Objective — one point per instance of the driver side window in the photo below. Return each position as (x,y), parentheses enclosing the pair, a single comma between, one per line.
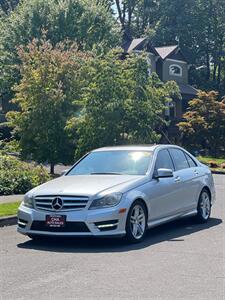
(164,160)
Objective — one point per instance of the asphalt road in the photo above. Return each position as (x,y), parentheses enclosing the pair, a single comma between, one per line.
(180,260)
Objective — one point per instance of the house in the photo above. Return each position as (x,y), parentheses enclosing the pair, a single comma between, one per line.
(170,64)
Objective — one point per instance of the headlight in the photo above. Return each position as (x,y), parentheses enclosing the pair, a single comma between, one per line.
(106,201)
(28,201)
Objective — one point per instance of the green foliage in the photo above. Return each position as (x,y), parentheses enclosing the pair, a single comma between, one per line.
(88,23)
(11,146)
(81,21)
(49,85)
(6,6)
(18,177)
(204,124)
(121,103)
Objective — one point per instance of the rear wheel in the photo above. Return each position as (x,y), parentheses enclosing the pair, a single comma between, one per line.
(136,224)
(204,207)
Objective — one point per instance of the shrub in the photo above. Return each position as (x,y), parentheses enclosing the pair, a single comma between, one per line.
(213,164)
(222,166)
(17,177)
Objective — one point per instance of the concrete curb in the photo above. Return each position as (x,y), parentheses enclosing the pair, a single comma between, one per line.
(6,221)
(218,172)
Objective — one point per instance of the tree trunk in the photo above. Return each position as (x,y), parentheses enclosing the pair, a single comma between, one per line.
(208,65)
(52,168)
(214,72)
(219,74)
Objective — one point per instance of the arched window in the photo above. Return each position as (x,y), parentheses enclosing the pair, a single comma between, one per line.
(175,70)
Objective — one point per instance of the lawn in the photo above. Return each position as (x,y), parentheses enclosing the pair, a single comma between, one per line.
(207,160)
(8,209)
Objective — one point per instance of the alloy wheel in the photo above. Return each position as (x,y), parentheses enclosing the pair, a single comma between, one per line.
(205,205)
(137,221)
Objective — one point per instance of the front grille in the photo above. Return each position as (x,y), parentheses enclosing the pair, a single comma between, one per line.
(69,227)
(69,202)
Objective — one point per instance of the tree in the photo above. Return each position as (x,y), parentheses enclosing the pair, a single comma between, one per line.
(50,83)
(136,17)
(89,24)
(121,103)
(8,5)
(204,124)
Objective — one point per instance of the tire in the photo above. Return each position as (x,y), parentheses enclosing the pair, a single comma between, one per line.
(204,207)
(136,223)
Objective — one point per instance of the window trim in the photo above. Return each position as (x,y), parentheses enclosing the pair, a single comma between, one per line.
(174,74)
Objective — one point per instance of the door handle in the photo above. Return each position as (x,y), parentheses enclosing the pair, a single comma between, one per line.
(196,172)
(177,179)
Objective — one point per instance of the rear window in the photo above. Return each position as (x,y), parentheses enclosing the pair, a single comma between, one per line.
(191,162)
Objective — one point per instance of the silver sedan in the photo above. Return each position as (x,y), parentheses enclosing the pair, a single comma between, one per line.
(120,191)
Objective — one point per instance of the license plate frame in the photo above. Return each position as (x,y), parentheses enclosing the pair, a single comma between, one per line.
(56,221)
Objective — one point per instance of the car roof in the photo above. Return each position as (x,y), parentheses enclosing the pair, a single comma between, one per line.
(134,147)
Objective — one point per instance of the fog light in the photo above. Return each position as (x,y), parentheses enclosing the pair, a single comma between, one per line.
(107,225)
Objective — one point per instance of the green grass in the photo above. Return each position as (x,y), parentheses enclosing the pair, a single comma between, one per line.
(207,159)
(8,209)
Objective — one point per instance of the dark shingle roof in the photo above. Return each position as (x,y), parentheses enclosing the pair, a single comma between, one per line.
(187,89)
(131,45)
(138,44)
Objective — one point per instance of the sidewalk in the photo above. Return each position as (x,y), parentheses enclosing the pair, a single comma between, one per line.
(10,198)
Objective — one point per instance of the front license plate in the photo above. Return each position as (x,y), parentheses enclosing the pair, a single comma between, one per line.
(55,221)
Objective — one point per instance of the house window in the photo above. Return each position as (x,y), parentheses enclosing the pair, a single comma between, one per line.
(175,70)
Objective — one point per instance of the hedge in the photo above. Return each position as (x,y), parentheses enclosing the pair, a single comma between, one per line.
(18,177)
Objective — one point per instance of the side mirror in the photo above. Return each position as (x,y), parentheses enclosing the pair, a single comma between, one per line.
(163,173)
(64,172)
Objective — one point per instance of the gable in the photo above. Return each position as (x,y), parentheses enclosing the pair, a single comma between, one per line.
(164,52)
(171,52)
(141,44)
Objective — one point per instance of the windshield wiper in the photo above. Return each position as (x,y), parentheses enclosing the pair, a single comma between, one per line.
(105,173)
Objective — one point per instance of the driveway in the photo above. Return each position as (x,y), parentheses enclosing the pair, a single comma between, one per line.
(180,260)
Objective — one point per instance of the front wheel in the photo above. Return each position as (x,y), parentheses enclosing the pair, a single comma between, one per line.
(136,223)
(204,207)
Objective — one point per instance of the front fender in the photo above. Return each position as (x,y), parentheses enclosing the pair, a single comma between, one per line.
(133,195)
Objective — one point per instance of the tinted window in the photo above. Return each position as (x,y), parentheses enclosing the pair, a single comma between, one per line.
(164,161)
(191,163)
(113,162)
(179,159)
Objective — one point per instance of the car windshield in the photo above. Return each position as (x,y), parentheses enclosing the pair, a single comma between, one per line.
(116,162)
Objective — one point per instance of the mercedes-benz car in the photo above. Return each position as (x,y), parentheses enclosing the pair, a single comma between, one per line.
(119,191)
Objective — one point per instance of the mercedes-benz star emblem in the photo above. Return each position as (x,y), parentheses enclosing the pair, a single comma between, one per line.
(57,203)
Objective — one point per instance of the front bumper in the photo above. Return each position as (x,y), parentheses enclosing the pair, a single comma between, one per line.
(99,222)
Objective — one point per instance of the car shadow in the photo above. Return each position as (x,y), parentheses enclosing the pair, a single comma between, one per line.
(173,232)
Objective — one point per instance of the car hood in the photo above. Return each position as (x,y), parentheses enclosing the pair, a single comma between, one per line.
(86,185)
